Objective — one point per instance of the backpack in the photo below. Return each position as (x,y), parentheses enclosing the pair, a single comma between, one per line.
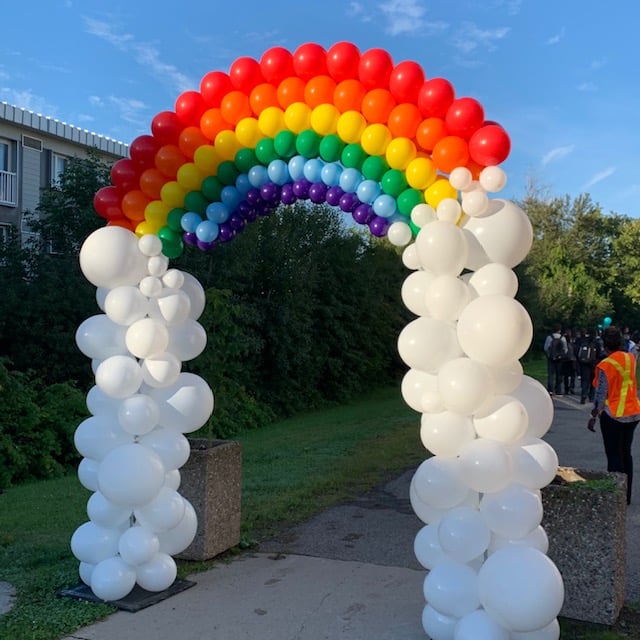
(587,353)
(556,350)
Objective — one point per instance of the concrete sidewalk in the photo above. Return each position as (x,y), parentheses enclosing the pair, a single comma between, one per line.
(348,574)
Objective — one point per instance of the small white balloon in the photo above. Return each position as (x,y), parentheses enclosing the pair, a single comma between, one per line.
(99,403)
(448,210)
(164,512)
(535,463)
(138,545)
(172,479)
(426,343)
(426,547)
(446,297)
(150,245)
(414,289)
(452,589)
(438,482)
(436,625)
(150,286)
(161,370)
(512,512)
(486,465)
(475,203)
(493,179)
(420,391)
(422,214)
(538,404)
(105,513)
(501,418)
(463,534)
(85,570)
(507,377)
(88,473)
(171,306)
(537,539)
(158,574)
(464,385)
(479,625)
(399,234)
(138,414)
(460,178)
(112,579)
(147,337)
(101,294)
(192,287)
(119,376)
(173,279)
(97,435)
(181,536)
(157,266)
(125,305)
(94,543)
(446,434)
(171,445)
(187,340)
(410,257)
(494,279)
(442,248)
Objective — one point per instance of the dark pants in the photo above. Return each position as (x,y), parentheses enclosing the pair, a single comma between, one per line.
(569,375)
(554,376)
(586,381)
(617,438)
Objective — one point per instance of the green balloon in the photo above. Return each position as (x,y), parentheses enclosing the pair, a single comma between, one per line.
(172,245)
(285,144)
(195,201)
(331,148)
(245,159)
(374,167)
(414,228)
(228,172)
(353,156)
(308,143)
(174,219)
(393,182)
(408,199)
(212,188)
(265,151)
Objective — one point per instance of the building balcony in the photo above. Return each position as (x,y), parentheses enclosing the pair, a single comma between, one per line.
(8,189)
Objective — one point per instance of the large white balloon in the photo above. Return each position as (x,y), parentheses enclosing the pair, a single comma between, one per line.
(98,435)
(502,418)
(486,465)
(119,376)
(99,403)
(494,279)
(442,248)
(521,588)
(420,391)
(438,482)
(181,536)
(446,433)
(538,403)
(138,414)
(426,343)
(512,512)
(172,306)
(192,287)
(535,462)
(452,588)
(161,370)
(93,543)
(99,337)
(88,473)
(164,512)
(112,579)
(187,340)
(147,338)
(495,330)
(464,385)
(426,547)
(413,291)
(446,296)
(105,513)
(125,305)
(110,257)
(171,445)
(138,545)
(463,534)
(436,625)
(158,574)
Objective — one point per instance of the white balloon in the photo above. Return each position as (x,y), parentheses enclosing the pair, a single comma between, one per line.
(138,414)
(158,574)
(157,266)
(495,330)
(506,378)
(493,179)
(187,340)
(93,543)
(99,403)
(425,512)
(131,475)
(486,465)
(150,245)
(98,435)
(426,547)
(399,234)
(537,539)
(110,258)
(448,210)
(124,305)
(512,512)
(426,343)
(549,632)
(464,385)
(161,370)
(105,513)
(414,289)
(173,279)
(501,418)
(452,588)
(410,257)
(446,433)
(438,482)
(181,536)
(436,625)
(100,337)
(85,570)
(479,625)
(442,248)
(538,404)
(446,297)
(101,295)
(475,203)
(422,214)
(150,286)
(138,545)
(147,337)
(494,279)
(119,376)
(112,579)
(192,287)
(88,473)
(171,445)
(164,512)
(172,479)
(463,534)
(535,462)
(171,307)
(502,234)
(520,588)
(460,178)
(420,391)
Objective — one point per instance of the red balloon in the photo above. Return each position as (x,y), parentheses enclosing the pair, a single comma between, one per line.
(406,80)
(106,202)
(166,127)
(276,64)
(464,116)
(124,175)
(310,60)
(245,74)
(343,59)
(435,97)
(143,151)
(189,108)
(214,86)
(490,145)
(374,69)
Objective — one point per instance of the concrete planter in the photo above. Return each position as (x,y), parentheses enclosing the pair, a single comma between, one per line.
(585,521)
(212,481)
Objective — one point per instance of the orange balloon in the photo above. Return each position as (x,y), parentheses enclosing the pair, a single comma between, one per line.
(151,181)
(212,123)
(429,131)
(169,159)
(319,90)
(235,106)
(190,139)
(475,168)
(348,95)
(133,205)
(125,223)
(404,120)
(450,152)
(377,105)
(290,90)
(263,96)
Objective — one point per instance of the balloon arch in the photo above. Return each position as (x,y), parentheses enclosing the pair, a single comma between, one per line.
(414,163)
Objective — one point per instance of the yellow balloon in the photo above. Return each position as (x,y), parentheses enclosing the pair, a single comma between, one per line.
(324,119)
(351,125)
(189,177)
(248,132)
(145,228)
(156,212)
(271,121)
(206,159)
(438,191)
(375,139)
(420,173)
(297,117)
(400,152)
(172,194)
(227,145)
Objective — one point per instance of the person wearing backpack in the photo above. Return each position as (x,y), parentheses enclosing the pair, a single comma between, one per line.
(555,348)
(587,357)
(569,364)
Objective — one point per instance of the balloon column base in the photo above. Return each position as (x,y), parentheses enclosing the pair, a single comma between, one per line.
(136,600)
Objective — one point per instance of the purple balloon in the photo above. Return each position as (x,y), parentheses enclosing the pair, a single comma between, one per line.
(270,192)
(286,193)
(333,195)
(253,196)
(190,238)
(236,222)
(226,232)
(265,208)
(363,213)
(348,202)
(206,246)
(317,192)
(378,226)
(252,214)
(301,188)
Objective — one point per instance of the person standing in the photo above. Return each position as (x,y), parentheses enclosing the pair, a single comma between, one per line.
(555,348)
(569,365)
(587,355)
(616,403)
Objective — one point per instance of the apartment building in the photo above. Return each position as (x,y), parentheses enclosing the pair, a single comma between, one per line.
(34,150)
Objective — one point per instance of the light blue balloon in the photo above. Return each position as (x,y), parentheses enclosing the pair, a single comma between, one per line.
(242,184)
(207,231)
(296,167)
(278,172)
(368,191)
(384,205)
(190,220)
(313,170)
(218,212)
(258,176)
(331,174)
(350,179)
(230,197)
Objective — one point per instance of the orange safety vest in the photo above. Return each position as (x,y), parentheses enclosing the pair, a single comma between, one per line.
(622,392)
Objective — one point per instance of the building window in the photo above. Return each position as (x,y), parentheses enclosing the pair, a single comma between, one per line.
(5,233)
(58,165)
(8,178)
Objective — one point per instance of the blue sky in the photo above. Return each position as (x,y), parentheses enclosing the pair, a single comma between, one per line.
(560,75)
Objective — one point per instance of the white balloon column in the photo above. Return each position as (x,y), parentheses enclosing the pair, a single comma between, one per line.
(133,445)
(479,493)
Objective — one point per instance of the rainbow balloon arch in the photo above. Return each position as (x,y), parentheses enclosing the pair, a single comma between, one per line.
(413,163)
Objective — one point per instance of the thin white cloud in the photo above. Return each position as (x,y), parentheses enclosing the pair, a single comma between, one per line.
(555,39)
(471,37)
(588,87)
(27,100)
(598,177)
(131,110)
(404,17)
(596,65)
(103,30)
(556,154)
(96,101)
(357,10)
